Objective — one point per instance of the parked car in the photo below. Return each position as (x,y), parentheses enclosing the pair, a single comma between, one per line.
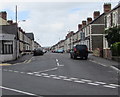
(60,51)
(79,51)
(38,51)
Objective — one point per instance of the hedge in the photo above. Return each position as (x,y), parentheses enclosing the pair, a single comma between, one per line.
(115,48)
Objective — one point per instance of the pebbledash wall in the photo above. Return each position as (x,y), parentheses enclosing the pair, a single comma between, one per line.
(9,41)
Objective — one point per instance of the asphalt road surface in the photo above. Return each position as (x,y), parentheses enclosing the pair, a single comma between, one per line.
(57,74)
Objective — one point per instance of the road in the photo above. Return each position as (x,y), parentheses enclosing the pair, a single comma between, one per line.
(57,74)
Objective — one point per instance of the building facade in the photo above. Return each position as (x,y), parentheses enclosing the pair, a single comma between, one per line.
(112,19)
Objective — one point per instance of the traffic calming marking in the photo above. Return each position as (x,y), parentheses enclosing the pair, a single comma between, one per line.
(67,79)
(6,64)
(94,84)
(72,79)
(79,81)
(108,86)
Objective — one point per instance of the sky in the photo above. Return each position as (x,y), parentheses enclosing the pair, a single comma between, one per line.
(50,21)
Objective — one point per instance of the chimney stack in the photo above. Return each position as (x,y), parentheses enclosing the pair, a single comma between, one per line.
(96,14)
(107,7)
(83,23)
(3,15)
(79,27)
(10,22)
(89,19)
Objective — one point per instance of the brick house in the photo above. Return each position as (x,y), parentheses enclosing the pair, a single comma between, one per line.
(112,19)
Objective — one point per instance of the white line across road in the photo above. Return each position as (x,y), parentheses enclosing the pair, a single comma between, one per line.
(71,79)
(47,70)
(19,91)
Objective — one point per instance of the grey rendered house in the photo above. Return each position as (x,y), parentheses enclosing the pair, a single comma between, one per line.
(8,43)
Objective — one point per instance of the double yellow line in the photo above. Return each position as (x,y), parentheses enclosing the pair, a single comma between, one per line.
(26,61)
(5,64)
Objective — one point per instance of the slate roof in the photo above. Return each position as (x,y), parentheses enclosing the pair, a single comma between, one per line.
(9,29)
(30,35)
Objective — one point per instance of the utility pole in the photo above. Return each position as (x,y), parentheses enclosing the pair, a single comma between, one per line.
(16,13)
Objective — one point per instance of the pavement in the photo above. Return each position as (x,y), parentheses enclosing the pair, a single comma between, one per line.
(22,59)
(105,62)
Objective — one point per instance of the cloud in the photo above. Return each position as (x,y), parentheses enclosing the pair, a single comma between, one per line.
(51,21)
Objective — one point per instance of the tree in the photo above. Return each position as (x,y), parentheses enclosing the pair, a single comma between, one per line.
(113,35)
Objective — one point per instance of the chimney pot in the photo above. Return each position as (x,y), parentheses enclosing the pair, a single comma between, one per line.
(96,14)
(3,15)
(107,7)
(79,27)
(89,19)
(10,22)
(83,23)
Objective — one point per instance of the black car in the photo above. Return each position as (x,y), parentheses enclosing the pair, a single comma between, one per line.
(79,51)
(38,51)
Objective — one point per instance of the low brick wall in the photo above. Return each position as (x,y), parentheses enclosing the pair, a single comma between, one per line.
(107,53)
(98,52)
(116,58)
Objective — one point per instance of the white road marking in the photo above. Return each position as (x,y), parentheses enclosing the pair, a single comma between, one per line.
(29,60)
(11,70)
(115,68)
(115,85)
(98,63)
(56,77)
(79,81)
(53,75)
(30,73)
(72,78)
(47,70)
(58,64)
(38,75)
(108,86)
(76,80)
(62,76)
(19,91)
(86,80)
(93,84)
(67,79)
(16,71)
(22,72)
(25,61)
(46,76)
(56,60)
(44,73)
(100,82)
(61,65)
(35,72)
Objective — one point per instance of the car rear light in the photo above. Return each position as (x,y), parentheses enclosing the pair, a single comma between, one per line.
(86,49)
(75,49)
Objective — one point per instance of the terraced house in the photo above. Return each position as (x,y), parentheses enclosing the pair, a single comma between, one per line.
(112,19)
(92,33)
(14,42)
(8,39)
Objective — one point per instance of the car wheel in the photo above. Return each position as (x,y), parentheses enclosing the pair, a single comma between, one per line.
(86,58)
(74,57)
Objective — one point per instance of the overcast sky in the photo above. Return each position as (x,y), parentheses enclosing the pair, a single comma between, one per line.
(51,21)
